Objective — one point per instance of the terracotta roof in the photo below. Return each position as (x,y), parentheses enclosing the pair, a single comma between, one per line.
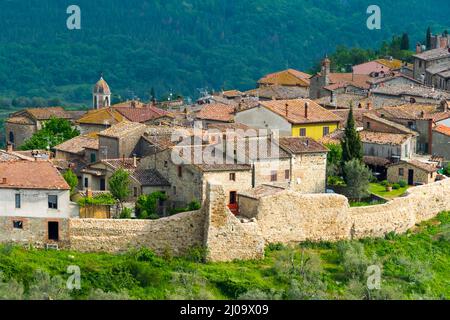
(344,100)
(426,166)
(443,129)
(20,120)
(102,87)
(411,90)
(383,137)
(376,161)
(333,138)
(150,177)
(231,93)
(389,123)
(78,144)
(391,63)
(357,115)
(357,80)
(223,127)
(47,113)
(8,156)
(129,104)
(407,112)
(161,142)
(121,129)
(261,191)
(299,145)
(433,54)
(217,112)
(31,175)
(104,116)
(294,111)
(277,92)
(143,114)
(289,77)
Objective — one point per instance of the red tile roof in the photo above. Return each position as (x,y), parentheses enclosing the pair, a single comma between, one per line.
(294,111)
(443,129)
(217,112)
(47,113)
(299,145)
(143,114)
(289,77)
(31,175)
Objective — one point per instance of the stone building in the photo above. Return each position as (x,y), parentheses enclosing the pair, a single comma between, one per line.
(322,83)
(215,113)
(21,125)
(101,95)
(413,172)
(35,203)
(98,120)
(441,142)
(429,59)
(288,79)
(394,146)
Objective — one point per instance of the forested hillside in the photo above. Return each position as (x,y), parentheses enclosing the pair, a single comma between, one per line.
(182,45)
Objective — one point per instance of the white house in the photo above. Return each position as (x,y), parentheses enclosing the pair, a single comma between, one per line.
(34,203)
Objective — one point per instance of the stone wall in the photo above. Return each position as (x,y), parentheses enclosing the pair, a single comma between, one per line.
(290,217)
(174,234)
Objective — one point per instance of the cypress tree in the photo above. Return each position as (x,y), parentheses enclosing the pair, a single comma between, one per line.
(351,143)
(429,38)
(405,42)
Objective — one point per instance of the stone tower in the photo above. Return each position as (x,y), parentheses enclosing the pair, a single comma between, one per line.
(326,67)
(101,95)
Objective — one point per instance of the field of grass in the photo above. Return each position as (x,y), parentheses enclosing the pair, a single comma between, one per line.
(413,266)
(380,190)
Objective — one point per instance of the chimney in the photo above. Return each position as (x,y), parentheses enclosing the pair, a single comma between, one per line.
(287,109)
(133,104)
(9,147)
(134,161)
(418,48)
(443,42)
(306,110)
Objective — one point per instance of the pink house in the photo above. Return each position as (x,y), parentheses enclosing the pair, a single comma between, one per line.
(370,68)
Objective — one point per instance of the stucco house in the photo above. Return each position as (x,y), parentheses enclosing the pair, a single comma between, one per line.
(441,142)
(297,118)
(35,203)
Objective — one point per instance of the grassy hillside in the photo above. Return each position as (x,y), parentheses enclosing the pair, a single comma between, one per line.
(184,45)
(414,266)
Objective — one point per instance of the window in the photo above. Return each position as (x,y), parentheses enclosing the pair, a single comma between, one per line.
(232,176)
(303,132)
(326,130)
(102,184)
(273,176)
(17,224)
(401,172)
(53,230)
(174,190)
(86,182)
(166,164)
(18,201)
(287,174)
(93,157)
(368,125)
(180,171)
(135,192)
(53,202)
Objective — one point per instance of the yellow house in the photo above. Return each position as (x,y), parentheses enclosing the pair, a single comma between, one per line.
(297,118)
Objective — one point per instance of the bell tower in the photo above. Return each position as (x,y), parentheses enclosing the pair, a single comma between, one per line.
(101,94)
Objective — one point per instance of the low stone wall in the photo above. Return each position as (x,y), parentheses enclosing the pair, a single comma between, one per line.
(290,217)
(175,234)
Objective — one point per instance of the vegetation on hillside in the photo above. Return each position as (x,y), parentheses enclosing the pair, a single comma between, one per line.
(413,266)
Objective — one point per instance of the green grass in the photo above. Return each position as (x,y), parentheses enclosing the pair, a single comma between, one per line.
(414,265)
(380,190)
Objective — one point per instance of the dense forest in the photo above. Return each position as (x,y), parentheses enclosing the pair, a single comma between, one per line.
(182,45)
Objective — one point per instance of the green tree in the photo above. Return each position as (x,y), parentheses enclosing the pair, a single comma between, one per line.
(119,186)
(357,178)
(351,143)
(71,179)
(428,39)
(54,131)
(405,42)
(146,205)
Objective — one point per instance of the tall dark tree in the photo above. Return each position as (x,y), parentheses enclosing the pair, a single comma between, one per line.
(429,38)
(405,42)
(351,143)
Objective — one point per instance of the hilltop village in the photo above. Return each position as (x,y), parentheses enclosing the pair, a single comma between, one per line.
(117,179)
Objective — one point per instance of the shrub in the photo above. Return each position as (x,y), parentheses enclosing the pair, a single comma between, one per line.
(197,254)
(396,186)
(353,259)
(384,183)
(194,205)
(402,183)
(357,176)
(126,213)
(101,199)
